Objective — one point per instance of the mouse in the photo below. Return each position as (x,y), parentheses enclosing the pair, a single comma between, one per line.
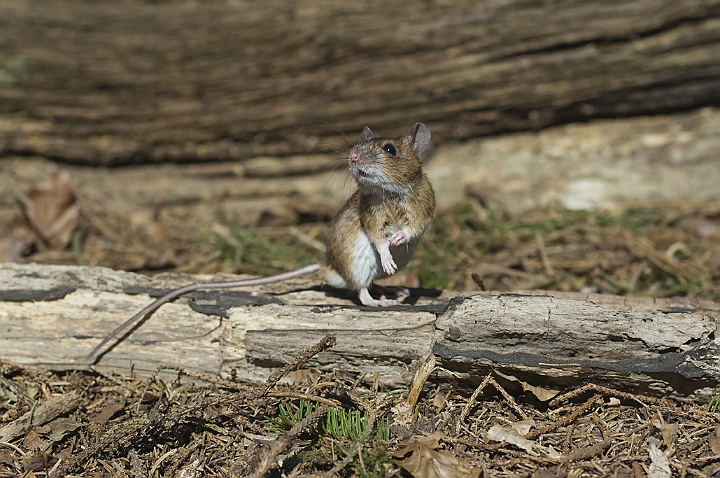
(374,234)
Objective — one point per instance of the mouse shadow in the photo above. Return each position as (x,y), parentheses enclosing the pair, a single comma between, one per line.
(376,291)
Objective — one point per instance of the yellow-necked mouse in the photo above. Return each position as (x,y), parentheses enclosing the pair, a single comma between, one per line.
(374,234)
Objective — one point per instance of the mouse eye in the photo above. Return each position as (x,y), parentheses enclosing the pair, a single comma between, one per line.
(389,149)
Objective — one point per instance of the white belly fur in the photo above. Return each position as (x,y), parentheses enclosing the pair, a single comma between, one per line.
(366,261)
(366,264)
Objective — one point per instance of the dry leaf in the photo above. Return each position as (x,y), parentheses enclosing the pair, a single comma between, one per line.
(714,443)
(38,461)
(106,413)
(542,394)
(430,440)
(32,441)
(52,211)
(61,427)
(510,435)
(299,376)
(439,399)
(667,430)
(6,459)
(659,463)
(425,462)
(523,426)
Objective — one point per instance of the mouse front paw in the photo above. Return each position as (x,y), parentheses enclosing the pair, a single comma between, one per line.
(398,238)
(388,263)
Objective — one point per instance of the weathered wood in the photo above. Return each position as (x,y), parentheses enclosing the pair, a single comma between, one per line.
(54,315)
(46,411)
(565,340)
(114,83)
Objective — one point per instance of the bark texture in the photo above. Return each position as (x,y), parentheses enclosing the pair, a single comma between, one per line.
(119,82)
(54,315)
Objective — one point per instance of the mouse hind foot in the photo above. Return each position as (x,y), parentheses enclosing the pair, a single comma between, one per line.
(367,300)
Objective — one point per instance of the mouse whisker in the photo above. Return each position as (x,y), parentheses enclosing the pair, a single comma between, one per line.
(342,133)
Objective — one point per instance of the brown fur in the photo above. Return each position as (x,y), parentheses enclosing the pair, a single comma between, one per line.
(394,194)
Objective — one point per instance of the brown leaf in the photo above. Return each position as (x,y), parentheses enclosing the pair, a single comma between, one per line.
(52,211)
(61,427)
(425,462)
(6,459)
(32,441)
(299,376)
(106,413)
(38,461)
(714,443)
(12,248)
(542,394)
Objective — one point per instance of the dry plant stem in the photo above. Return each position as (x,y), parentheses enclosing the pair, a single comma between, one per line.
(605,391)
(305,396)
(325,343)
(593,450)
(642,247)
(199,376)
(472,398)
(421,375)
(564,421)
(107,440)
(268,460)
(44,412)
(510,400)
(499,388)
(543,255)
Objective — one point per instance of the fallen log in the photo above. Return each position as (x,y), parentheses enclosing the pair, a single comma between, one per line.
(52,316)
(111,83)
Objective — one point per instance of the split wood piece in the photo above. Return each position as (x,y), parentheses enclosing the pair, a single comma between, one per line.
(45,412)
(53,315)
(568,342)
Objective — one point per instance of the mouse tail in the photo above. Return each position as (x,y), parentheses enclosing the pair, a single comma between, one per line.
(302,271)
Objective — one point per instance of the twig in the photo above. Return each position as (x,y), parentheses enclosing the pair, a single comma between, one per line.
(305,396)
(41,414)
(592,450)
(564,421)
(473,397)
(605,391)
(327,342)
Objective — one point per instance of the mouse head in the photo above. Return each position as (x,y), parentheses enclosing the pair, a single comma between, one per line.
(389,165)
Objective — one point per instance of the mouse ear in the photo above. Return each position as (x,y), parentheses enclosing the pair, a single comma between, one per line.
(366,134)
(418,138)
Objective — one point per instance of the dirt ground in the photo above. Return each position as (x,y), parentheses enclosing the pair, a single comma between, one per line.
(81,424)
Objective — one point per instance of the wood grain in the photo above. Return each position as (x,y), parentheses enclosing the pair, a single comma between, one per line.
(657,346)
(117,83)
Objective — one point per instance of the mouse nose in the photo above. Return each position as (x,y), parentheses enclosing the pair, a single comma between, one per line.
(354,156)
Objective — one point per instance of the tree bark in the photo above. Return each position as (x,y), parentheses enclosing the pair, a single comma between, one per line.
(115,82)
(53,316)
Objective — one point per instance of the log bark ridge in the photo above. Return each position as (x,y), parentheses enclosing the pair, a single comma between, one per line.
(53,315)
(112,83)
